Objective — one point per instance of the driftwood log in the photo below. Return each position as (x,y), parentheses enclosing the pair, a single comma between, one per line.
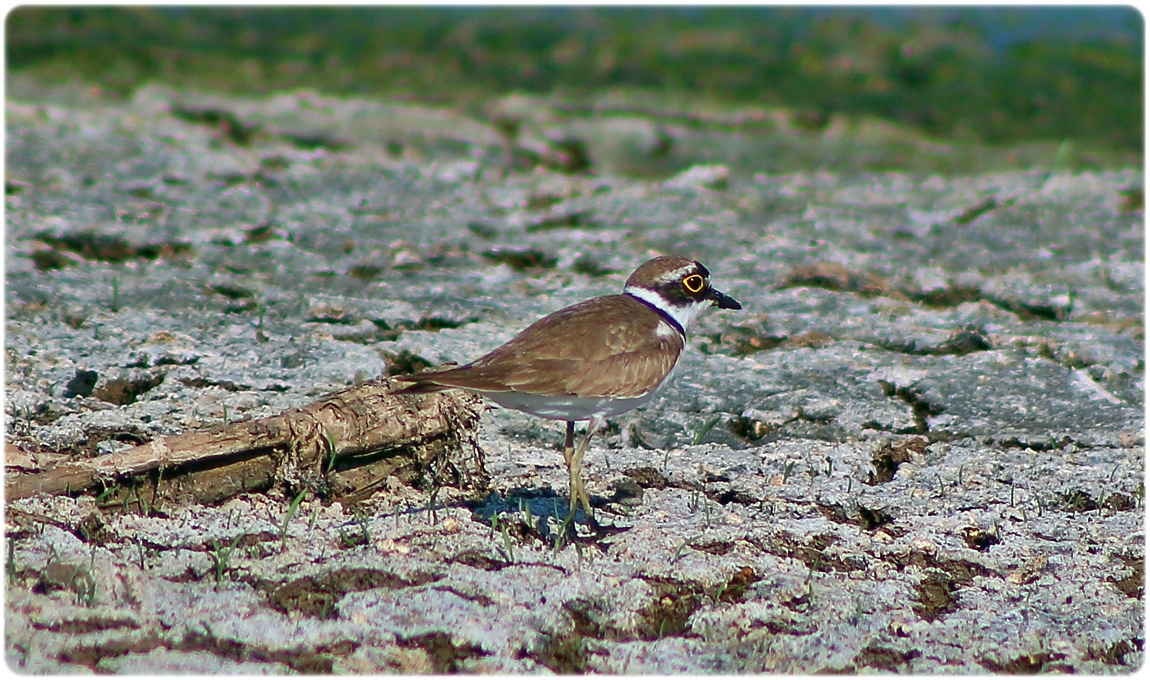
(344,445)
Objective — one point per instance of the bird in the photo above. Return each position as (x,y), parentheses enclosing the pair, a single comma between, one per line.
(593,360)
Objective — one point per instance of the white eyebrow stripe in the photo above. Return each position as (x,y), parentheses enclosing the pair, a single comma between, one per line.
(677,274)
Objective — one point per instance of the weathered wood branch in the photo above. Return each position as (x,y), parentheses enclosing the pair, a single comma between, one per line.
(351,440)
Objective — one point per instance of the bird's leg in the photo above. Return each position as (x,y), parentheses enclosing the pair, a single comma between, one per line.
(568,454)
(569,446)
(575,466)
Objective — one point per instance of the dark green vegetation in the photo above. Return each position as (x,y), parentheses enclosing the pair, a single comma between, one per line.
(992,75)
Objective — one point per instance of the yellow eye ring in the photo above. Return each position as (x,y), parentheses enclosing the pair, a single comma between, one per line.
(694,283)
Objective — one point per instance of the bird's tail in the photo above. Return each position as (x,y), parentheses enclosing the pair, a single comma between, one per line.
(426,382)
(418,385)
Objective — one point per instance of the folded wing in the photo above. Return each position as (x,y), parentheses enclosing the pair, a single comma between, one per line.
(612,346)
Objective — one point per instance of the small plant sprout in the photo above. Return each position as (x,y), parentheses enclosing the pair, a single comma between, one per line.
(221,556)
(432,498)
(106,492)
(720,590)
(329,441)
(314,518)
(561,525)
(705,429)
(289,515)
(681,548)
(508,543)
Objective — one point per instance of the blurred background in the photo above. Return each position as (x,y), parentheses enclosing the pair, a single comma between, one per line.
(1065,77)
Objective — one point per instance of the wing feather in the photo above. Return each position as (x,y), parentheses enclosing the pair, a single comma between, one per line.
(607,346)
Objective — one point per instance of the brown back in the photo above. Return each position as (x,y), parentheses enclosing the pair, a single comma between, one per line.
(603,347)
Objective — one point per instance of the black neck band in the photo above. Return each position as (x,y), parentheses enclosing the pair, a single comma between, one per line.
(663,313)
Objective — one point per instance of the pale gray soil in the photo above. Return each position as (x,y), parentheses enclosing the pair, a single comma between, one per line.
(918,448)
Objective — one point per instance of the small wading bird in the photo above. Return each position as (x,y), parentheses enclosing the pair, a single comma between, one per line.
(592,360)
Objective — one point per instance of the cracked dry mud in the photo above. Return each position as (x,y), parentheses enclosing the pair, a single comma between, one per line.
(919,448)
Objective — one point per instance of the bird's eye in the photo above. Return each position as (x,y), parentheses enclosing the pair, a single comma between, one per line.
(694,283)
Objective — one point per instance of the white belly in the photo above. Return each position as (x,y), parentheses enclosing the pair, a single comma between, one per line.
(567,407)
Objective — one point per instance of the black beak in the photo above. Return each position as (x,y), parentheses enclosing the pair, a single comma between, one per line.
(722,300)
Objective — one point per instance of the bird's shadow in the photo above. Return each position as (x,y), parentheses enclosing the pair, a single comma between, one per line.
(540,513)
(529,515)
